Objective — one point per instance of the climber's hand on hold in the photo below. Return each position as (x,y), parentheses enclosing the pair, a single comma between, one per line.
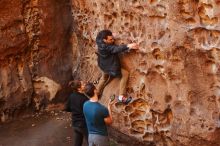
(133,46)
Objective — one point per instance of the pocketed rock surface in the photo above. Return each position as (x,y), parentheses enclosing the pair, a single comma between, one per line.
(174,77)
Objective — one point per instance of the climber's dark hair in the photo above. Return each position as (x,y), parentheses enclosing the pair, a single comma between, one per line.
(103,35)
(89,90)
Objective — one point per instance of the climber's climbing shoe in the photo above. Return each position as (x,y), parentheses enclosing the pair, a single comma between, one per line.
(124,99)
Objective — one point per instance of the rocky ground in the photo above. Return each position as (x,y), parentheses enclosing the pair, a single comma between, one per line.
(41,129)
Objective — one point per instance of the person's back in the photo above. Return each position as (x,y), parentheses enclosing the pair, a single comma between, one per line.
(95,114)
(97,117)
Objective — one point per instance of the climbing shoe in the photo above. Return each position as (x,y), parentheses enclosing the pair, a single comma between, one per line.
(124,99)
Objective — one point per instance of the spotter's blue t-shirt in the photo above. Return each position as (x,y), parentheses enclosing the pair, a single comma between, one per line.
(94,114)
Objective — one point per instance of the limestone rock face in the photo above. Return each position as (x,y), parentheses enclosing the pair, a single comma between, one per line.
(35,53)
(174,77)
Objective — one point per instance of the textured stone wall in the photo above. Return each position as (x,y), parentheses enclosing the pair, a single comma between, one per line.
(174,78)
(35,53)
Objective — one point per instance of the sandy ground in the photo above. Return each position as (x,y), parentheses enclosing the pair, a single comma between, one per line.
(44,129)
(41,129)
